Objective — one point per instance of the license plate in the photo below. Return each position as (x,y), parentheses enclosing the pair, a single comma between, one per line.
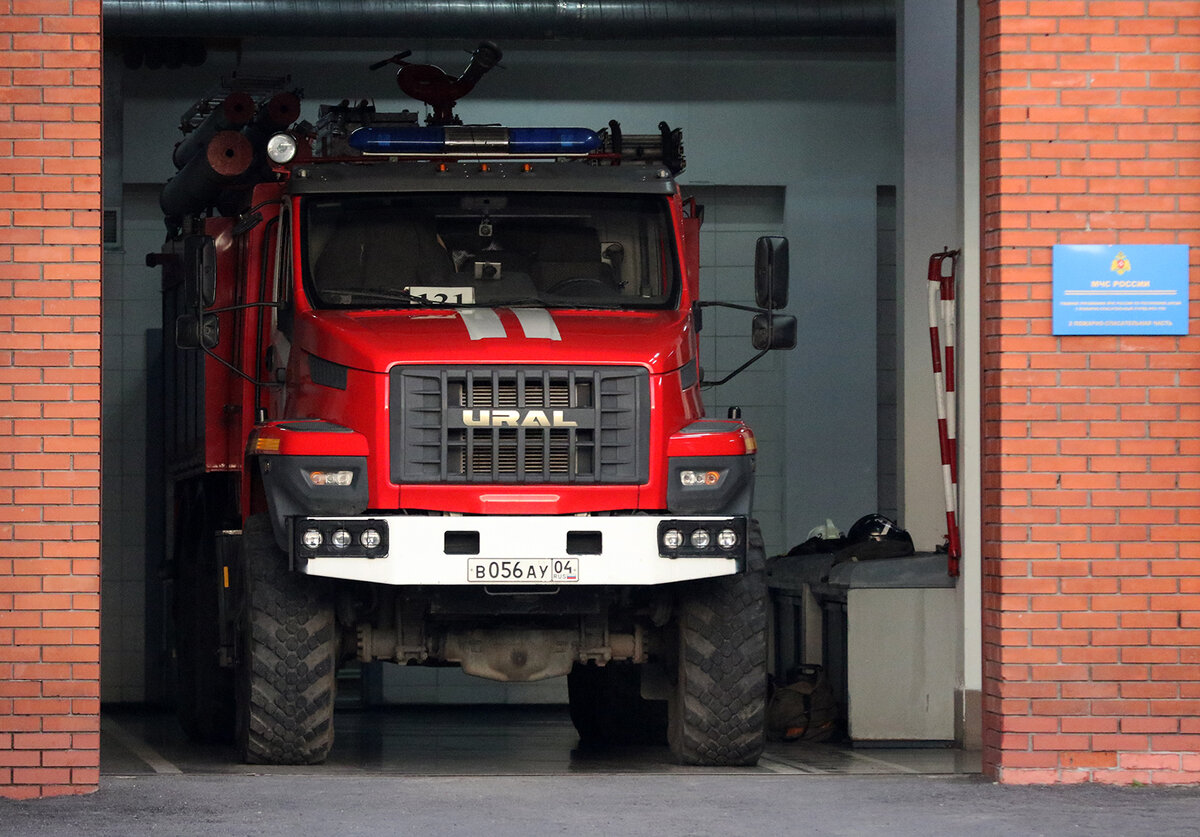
(523,571)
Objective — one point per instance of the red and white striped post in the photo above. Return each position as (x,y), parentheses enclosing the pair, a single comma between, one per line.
(942,327)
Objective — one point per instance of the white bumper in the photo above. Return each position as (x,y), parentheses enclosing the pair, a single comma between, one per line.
(525,551)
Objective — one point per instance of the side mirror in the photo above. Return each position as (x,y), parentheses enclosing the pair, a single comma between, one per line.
(197,331)
(773,331)
(200,266)
(771,272)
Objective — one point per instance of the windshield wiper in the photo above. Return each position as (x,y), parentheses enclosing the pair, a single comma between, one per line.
(520,302)
(346,295)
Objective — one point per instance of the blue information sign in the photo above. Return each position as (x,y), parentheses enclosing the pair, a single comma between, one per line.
(1120,289)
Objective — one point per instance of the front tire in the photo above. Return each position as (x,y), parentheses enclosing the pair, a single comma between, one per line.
(717,711)
(287,663)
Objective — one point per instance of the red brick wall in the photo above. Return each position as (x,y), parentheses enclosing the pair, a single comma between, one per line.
(1091,134)
(50,254)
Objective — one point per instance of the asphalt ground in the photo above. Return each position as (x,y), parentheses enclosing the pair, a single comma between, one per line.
(748,803)
(518,770)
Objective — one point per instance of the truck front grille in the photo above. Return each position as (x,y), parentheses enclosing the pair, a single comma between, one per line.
(520,425)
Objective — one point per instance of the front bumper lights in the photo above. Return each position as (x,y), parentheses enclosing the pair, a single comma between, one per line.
(333,538)
(702,538)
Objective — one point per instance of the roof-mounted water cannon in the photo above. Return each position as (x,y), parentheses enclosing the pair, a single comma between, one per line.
(437,88)
(350,130)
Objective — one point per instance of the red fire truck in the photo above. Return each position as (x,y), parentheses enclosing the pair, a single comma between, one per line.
(433,397)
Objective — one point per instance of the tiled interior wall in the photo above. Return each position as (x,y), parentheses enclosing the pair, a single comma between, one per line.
(734,218)
(887,352)
(132,310)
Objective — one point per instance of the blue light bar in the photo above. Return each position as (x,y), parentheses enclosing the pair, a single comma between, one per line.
(399,140)
(552,140)
(454,140)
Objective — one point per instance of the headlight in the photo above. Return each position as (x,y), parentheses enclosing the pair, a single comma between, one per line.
(727,539)
(700,538)
(331,477)
(672,539)
(312,538)
(340,538)
(690,478)
(370,538)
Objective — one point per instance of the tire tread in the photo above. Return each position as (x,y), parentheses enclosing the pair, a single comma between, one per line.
(719,712)
(289,672)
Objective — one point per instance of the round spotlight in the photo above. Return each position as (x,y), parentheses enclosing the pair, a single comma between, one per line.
(727,539)
(311,539)
(281,148)
(340,538)
(370,539)
(672,539)
(701,539)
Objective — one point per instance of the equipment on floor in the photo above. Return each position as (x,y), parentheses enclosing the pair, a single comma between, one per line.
(803,710)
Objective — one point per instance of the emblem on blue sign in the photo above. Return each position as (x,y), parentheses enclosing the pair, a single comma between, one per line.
(1128,289)
(1120,265)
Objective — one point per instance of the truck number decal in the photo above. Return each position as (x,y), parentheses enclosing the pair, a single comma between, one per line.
(455,295)
(523,571)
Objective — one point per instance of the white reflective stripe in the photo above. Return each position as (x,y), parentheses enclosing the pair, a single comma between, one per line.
(538,323)
(482,323)
(629,550)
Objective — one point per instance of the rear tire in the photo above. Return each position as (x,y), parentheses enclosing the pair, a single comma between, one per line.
(287,661)
(717,711)
(608,710)
(204,692)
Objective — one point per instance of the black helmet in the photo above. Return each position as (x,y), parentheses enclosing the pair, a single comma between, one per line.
(875,536)
(876,527)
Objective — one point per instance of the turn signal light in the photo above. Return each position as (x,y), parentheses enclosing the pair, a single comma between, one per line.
(691,478)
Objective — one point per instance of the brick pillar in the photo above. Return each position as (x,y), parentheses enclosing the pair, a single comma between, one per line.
(1090,134)
(50,254)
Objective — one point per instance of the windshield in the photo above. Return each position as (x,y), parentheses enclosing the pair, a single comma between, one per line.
(489,249)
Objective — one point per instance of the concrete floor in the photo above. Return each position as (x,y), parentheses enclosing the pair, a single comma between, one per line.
(481,741)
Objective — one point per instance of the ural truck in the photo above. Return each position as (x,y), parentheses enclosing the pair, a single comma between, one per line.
(433,397)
